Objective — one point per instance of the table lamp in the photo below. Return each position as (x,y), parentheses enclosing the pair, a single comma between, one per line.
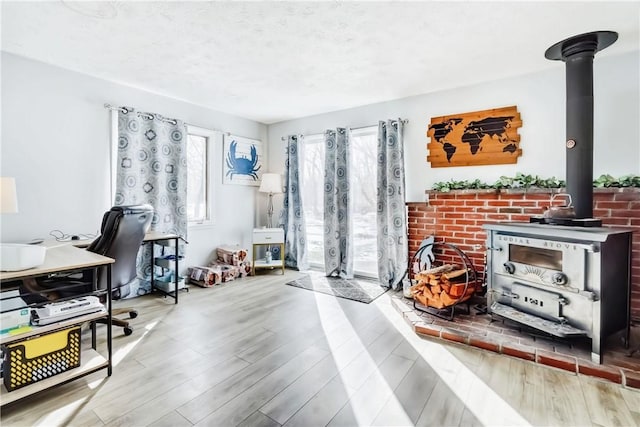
(14,256)
(272,184)
(8,197)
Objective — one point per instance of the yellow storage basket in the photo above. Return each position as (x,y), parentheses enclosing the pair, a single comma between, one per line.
(27,362)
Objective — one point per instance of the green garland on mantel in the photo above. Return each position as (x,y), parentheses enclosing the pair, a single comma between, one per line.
(533,181)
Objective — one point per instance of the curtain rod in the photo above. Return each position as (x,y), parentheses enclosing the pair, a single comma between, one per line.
(140,113)
(404,122)
(227,133)
(112,108)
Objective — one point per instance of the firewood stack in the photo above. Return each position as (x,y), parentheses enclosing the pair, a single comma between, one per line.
(443,286)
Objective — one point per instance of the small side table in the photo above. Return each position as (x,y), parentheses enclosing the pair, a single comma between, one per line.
(167,240)
(267,237)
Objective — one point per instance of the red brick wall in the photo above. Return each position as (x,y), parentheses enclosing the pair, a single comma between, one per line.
(457,217)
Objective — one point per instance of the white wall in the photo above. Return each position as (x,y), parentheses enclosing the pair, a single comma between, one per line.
(55,142)
(540,99)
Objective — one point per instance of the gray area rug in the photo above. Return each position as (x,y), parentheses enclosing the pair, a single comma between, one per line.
(355,289)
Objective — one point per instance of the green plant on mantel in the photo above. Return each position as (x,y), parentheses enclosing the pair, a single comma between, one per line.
(532,181)
(609,181)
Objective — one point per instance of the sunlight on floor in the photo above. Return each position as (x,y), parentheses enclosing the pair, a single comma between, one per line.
(119,355)
(62,415)
(67,413)
(488,407)
(330,312)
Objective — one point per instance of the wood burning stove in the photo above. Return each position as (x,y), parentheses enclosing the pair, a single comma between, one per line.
(566,276)
(565,281)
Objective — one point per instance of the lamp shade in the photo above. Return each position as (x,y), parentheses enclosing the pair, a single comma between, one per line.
(8,197)
(271,183)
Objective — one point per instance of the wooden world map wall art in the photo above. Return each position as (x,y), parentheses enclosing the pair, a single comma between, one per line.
(488,137)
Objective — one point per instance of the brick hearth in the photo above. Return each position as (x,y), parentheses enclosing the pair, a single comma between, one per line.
(620,365)
(457,217)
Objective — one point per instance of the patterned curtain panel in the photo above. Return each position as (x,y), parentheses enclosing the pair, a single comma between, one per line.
(393,252)
(338,228)
(295,239)
(152,168)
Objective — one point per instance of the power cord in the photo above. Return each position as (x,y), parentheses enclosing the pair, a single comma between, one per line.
(63,237)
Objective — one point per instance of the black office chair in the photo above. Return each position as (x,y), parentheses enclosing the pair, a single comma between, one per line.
(122,231)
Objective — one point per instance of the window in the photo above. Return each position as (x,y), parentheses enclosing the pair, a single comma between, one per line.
(364,148)
(363,151)
(199,185)
(312,192)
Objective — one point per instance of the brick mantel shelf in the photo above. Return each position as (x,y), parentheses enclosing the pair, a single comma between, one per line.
(457,217)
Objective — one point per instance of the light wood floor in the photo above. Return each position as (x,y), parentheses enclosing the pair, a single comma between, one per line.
(255,352)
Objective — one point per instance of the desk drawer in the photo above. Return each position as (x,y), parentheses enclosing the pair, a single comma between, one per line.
(268,235)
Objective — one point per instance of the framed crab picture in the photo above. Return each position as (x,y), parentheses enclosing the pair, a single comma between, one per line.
(242,162)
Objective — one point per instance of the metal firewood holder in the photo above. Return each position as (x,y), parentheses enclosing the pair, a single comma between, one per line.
(446,313)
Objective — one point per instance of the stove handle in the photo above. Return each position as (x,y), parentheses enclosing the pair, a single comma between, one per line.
(506,294)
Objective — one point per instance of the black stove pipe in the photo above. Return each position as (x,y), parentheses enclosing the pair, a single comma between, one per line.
(577,52)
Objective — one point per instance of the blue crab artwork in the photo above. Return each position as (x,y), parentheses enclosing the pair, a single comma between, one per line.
(241,165)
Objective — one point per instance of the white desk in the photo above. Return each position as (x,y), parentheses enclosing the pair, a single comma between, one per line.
(58,259)
(63,257)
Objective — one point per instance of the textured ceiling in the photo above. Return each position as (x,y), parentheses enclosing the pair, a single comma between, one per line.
(274,61)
